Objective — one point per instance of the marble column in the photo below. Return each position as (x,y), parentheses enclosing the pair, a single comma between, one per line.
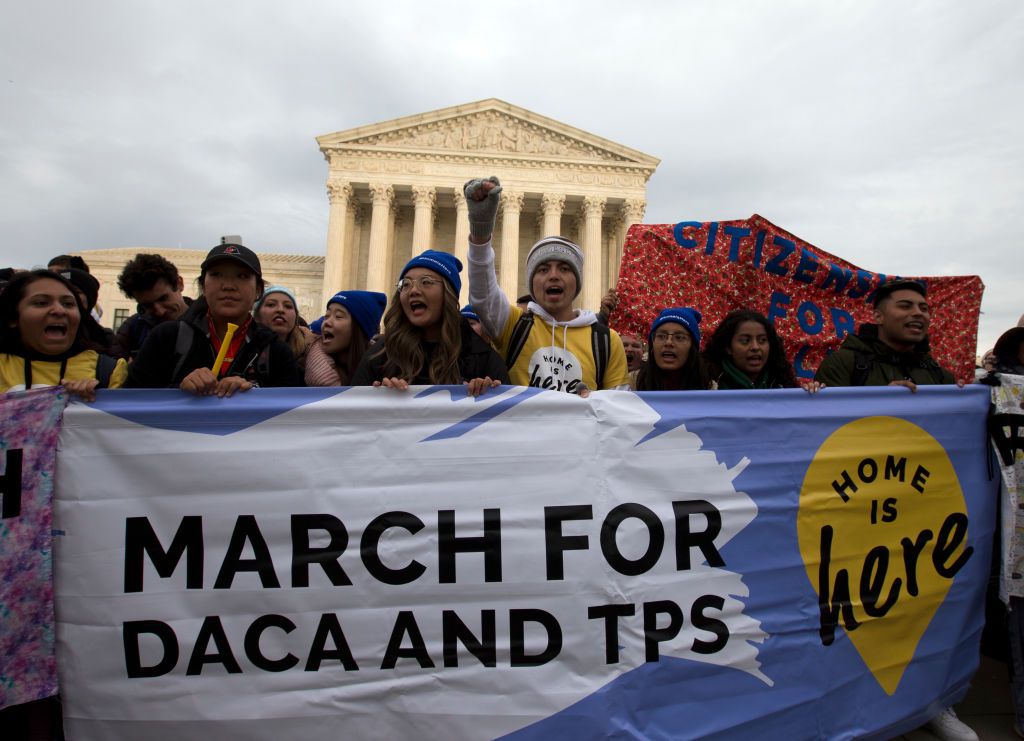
(462,241)
(395,261)
(512,207)
(632,213)
(353,230)
(383,196)
(613,250)
(337,259)
(552,204)
(423,198)
(593,209)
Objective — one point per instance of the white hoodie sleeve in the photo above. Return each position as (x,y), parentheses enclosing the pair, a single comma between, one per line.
(486,297)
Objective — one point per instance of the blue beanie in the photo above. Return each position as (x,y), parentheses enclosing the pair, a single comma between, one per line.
(469,312)
(684,315)
(366,308)
(275,289)
(446,265)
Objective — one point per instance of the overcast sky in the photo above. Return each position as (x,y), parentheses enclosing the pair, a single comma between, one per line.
(888,133)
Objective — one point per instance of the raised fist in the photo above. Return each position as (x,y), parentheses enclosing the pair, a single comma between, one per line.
(482,201)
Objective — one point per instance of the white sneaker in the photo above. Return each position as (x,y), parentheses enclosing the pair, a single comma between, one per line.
(948,727)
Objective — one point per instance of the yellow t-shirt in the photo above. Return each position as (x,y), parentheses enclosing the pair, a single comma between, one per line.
(560,361)
(47,372)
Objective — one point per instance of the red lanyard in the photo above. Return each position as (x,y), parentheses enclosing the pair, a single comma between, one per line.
(233,348)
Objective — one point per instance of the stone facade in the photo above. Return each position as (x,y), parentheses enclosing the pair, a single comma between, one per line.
(301,273)
(395,189)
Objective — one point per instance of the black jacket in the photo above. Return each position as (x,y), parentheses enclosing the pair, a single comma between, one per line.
(262,359)
(477,360)
(882,364)
(134,330)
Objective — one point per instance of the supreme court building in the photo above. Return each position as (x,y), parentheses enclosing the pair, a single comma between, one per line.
(395,189)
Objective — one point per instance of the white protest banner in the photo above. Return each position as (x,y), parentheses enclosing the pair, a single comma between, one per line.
(364,563)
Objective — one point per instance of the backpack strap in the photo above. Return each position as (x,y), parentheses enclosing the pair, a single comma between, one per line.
(105,365)
(182,344)
(261,360)
(600,343)
(518,339)
(137,334)
(601,346)
(861,368)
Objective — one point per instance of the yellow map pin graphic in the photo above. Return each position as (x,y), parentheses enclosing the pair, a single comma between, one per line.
(882,528)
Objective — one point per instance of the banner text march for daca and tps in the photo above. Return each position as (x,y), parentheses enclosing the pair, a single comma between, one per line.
(358,561)
(813,298)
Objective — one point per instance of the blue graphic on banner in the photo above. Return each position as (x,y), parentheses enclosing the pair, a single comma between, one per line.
(173,410)
(808,583)
(677,698)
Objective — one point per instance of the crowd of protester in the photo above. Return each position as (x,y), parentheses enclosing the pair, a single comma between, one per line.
(238,334)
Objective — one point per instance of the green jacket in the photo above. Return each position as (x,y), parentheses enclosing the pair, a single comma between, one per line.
(880,364)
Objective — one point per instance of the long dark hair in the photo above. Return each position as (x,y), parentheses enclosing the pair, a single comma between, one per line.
(89,336)
(357,345)
(693,376)
(1007,349)
(778,367)
(404,353)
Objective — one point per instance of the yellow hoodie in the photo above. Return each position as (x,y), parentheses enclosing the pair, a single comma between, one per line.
(47,372)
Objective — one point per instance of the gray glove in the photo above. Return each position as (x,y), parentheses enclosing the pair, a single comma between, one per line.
(482,213)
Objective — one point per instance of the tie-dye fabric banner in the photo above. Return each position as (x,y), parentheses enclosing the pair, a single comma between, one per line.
(356,563)
(29,426)
(813,298)
(1007,425)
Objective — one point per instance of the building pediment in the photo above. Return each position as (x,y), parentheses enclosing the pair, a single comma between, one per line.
(487,128)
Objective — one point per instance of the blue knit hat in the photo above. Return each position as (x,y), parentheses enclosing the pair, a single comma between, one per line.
(446,265)
(366,308)
(470,313)
(689,318)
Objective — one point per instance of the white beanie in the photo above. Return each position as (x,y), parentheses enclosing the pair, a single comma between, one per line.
(555,248)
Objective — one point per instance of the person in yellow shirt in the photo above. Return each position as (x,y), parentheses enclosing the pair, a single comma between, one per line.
(45,342)
(550,344)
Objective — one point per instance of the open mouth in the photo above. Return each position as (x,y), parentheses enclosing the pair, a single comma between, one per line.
(55,331)
(327,334)
(754,360)
(669,355)
(417,307)
(554,291)
(915,326)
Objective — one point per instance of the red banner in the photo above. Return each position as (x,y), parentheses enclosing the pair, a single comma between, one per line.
(813,298)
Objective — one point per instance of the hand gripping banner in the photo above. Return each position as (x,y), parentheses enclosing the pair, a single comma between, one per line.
(813,298)
(361,563)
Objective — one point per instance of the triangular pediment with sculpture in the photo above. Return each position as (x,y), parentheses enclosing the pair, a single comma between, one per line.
(491,127)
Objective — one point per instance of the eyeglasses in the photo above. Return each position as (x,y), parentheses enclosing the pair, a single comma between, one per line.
(677,337)
(424,282)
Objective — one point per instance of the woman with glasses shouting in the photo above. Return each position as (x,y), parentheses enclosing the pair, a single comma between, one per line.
(674,361)
(426,339)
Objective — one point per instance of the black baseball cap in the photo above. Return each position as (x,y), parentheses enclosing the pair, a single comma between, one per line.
(886,290)
(238,253)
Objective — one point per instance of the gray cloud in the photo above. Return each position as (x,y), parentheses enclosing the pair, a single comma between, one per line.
(887,133)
